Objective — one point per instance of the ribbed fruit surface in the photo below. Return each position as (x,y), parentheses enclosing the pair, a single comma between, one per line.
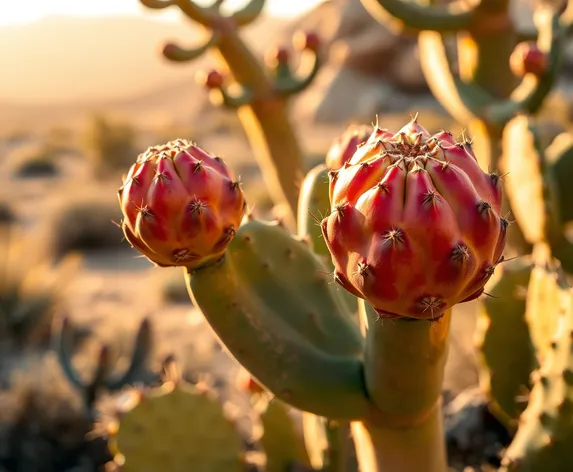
(414,226)
(181,205)
(344,147)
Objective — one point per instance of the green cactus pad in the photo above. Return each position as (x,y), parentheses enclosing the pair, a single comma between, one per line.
(313,206)
(560,161)
(283,444)
(285,274)
(274,306)
(544,440)
(527,184)
(545,293)
(177,427)
(502,336)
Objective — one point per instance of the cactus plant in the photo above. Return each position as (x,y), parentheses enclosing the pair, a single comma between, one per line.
(261,103)
(102,378)
(270,302)
(533,188)
(545,434)
(503,340)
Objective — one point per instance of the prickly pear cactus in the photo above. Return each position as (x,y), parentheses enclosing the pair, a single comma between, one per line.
(283,445)
(544,439)
(503,340)
(176,427)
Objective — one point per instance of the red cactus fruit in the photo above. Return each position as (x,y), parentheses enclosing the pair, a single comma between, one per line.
(527,58)
(306,40)
(181,206)
(345,145)
(415,225)
(211,80)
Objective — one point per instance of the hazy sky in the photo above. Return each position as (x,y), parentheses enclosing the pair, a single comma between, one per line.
(25,11)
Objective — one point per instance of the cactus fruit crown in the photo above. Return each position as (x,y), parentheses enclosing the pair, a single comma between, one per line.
(181,205)
(414,226)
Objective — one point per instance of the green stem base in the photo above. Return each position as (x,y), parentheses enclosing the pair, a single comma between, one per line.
(419,448)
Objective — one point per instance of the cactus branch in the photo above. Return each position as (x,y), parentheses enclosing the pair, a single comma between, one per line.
(249,12)
(101,378)
(289,83)
(176,53)
(454,17)
(461,100)
(529,95)
(157,4)
(222,96)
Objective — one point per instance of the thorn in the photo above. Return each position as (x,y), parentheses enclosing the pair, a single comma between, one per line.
(198,166)
(394,235)
(460,253)
(483,207)
(430,197)
(197,206)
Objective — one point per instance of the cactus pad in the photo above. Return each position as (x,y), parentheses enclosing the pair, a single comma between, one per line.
(282,443)
(503,339)
(545,435)
(545,294)
(177,427)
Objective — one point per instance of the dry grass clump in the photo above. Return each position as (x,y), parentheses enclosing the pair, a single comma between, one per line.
(31,288)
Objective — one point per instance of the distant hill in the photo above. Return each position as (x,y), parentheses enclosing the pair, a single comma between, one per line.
(75,61)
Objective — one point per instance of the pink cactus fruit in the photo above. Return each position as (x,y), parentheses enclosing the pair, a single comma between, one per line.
(345,145)
(181,206)
(415,225)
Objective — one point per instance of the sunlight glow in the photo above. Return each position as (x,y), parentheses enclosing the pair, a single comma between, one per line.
(28,11)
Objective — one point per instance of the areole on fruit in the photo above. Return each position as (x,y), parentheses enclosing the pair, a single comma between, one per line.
(415,225)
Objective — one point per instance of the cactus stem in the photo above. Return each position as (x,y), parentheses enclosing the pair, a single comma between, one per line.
(176,53)
(289,84)
(248,13)
(451,18)
(408,416)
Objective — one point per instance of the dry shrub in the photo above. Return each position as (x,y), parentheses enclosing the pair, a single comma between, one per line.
(87,222)
(111,145)
(43,426)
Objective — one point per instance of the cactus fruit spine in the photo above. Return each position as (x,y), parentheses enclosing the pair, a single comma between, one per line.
(415,225)
(262,101)
(503,340)
(181,205)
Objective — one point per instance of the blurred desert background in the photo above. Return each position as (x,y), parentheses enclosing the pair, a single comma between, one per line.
(82,93)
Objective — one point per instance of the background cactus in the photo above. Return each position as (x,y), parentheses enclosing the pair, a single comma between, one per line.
(262,101)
